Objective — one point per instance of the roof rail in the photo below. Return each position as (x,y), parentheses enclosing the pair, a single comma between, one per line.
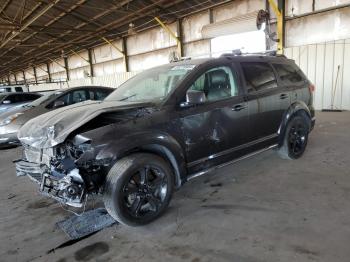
(180,59)
(238,52)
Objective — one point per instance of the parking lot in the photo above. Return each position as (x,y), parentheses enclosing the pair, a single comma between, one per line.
(260,209)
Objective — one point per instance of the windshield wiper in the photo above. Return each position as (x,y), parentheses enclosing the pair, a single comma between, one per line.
(126,98)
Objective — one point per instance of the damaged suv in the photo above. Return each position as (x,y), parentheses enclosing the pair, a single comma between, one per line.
(165,126)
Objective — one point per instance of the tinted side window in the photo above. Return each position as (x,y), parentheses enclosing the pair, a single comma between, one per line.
(217,83)
(79,96)
(64,99)
(101,94)
(288,74)
(91,95)
(18,89)
(31,97)
(13,98)
(259,76)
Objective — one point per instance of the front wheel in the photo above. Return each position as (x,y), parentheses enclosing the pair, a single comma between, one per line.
(138,189)
(295,138)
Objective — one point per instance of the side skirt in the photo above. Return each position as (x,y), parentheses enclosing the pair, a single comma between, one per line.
(230,162)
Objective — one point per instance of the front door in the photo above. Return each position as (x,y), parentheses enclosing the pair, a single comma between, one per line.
(215,129)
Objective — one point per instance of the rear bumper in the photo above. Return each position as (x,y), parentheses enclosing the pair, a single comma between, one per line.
(313,122)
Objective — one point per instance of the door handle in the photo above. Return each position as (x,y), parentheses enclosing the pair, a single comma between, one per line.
(284,96)
(238,108)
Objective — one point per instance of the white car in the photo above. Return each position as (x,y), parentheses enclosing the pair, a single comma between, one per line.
(12,89)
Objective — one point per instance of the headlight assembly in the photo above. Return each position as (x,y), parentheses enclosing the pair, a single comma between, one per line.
(10,119)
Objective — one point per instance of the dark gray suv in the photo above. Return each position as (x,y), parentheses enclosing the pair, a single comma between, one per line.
(165,126)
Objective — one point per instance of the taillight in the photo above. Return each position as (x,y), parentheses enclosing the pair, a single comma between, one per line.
(312,88)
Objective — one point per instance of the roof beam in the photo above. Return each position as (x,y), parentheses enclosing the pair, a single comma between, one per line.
(90,38)
(119,22)
(146,11)
(49,23)
(4,6)
(29,22)
(78,16)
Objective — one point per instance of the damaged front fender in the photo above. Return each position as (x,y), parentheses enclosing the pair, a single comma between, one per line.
(158,143)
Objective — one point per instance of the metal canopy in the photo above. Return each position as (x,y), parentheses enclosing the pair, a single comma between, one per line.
(34,32)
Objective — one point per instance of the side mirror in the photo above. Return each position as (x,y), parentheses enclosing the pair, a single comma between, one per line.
(58,104)
(6,102)
(194,97)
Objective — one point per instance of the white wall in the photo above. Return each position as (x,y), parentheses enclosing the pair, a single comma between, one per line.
(114,80)
(328,26)
(320,44)
(320,62)
(299,7)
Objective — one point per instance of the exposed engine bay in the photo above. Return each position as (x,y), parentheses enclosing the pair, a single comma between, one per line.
(62,172)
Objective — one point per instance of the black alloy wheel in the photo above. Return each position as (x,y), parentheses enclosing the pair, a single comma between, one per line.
(138,189)
(295,138)
(145,191)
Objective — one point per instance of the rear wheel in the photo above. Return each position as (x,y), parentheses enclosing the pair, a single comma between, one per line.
(138,189)
(295,138)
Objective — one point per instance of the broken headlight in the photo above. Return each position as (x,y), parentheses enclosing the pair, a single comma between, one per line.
(79,146)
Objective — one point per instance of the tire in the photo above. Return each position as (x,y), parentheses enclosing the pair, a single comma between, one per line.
(138,189)
(295,138)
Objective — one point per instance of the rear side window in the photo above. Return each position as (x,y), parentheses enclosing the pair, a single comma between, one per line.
(289,74)
(259,76)
(18,89)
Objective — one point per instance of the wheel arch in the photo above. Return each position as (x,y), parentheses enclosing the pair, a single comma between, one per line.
(162,145)
(298,108)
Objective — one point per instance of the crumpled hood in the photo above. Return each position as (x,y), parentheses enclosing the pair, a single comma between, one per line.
(54,127)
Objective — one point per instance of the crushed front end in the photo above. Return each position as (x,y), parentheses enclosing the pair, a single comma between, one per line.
(66,172)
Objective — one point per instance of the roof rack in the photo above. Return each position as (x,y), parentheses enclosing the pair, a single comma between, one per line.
(238,52)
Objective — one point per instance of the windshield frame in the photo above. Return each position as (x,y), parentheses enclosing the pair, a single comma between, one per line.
(46,98)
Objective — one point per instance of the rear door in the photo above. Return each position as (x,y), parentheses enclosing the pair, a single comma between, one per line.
(292,79)
(271,101)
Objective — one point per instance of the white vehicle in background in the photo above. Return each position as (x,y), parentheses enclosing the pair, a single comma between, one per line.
(14,88)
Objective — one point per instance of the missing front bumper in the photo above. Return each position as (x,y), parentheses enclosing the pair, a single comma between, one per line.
(33,170)
(63,189)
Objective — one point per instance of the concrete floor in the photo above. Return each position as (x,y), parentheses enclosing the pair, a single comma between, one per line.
(261,209)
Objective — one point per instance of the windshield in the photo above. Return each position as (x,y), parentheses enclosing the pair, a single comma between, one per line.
(151,85)
(43,99)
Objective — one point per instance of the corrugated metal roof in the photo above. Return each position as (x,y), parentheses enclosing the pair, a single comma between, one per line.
(33,32)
